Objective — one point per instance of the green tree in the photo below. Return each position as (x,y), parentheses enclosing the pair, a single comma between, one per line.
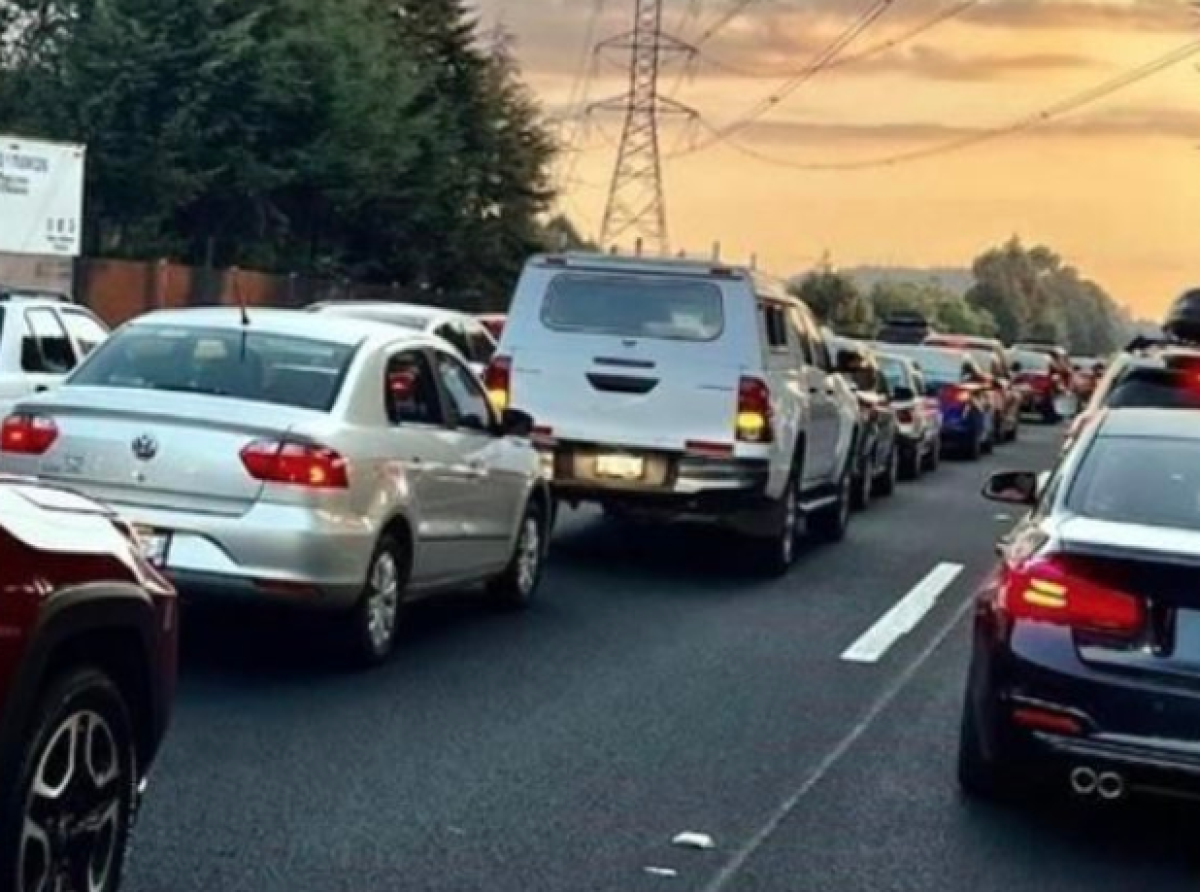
(837,301)
(945,310)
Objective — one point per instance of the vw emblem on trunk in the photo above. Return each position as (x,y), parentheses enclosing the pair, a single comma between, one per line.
(145,447)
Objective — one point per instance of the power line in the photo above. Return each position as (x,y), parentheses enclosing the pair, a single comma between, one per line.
(722,21)
(878,49)
(580,91)
(1038,119)
(823,61)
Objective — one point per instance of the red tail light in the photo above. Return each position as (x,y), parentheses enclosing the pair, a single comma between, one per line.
(754,411)
(27,434)
(1068,591)
(295,464)
(498,380)
(905,416)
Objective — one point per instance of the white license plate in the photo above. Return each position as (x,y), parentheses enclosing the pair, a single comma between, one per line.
(155,545)
(621,467)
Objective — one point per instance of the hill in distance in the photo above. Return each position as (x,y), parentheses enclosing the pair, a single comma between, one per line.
(953,279)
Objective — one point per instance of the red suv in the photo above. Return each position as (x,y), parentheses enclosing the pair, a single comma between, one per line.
(88,649)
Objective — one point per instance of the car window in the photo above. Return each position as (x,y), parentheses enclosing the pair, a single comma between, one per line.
(802,337)
(411,392)
(481,344)
(775,322)
(1142,480)
(895,373)
(256,366)
(88,332)
(46,348)
(820,351)
(452,333)
(468,403)
(635,307)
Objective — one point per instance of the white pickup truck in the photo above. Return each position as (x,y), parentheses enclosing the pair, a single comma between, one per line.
(42,339)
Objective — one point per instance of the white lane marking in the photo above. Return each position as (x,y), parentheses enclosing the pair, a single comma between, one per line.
(721,881)
(904,617)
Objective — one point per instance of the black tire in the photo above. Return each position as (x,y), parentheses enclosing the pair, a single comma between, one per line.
(516,588)
(933,459)
(910,464)
(988,444)
(774,556)
(81,700)
(1050,414)
(863,489)
(993,778)
(973,451)
(831,524)
(885,483)
(1015,434)
(372,626)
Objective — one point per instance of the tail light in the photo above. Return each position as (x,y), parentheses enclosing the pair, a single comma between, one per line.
(23,434)
(295,464)
(1067,591)
(498,380)
(905,416)
(754,411)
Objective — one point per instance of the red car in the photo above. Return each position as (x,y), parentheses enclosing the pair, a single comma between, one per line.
(88,650)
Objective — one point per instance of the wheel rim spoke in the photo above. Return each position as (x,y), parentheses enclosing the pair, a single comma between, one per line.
(384,600)
(528,556)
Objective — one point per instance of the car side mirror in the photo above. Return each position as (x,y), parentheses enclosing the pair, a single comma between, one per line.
(1016,368)
(903,394)
(1013,488)
(515,423)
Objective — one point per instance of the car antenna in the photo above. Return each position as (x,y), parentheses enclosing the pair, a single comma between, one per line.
(239,297)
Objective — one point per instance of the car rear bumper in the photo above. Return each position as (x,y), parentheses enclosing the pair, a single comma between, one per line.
(676,482)
(273,553)
(1146,730)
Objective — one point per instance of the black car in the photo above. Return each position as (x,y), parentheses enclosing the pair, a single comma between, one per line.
(1086,662)
(905,328)
(1155,376)
(877,464)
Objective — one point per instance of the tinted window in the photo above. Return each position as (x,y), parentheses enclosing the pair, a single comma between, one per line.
(46,347)
(1139,480)
(481,343)
(1155,389)
(679,310)
(452,334)
(411,392)
(467,400)
(87,331)
(247,365)
(775,321)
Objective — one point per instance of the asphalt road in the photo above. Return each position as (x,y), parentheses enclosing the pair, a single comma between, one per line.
(655,689)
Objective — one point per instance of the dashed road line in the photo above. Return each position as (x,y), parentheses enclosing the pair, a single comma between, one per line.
(904,617)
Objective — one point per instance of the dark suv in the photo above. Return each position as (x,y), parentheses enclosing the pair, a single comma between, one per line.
(88,649)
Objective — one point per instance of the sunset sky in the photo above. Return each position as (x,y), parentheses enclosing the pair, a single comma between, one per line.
(1115,187)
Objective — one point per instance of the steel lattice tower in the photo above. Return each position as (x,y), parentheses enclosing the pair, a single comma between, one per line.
(637,204)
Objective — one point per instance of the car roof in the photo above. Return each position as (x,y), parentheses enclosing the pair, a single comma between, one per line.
(911,350)
(391,308)
(1173,424)
(340,330)
(1159,357)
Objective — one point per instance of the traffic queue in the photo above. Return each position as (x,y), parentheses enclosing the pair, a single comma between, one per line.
(350,460)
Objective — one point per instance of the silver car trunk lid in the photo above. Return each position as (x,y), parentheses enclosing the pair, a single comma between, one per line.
(1159,565)
(180,452)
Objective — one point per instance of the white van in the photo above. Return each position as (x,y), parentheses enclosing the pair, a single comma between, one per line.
(679,387)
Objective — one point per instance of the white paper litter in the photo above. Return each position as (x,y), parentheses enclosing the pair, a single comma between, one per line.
(691,840)
(662,871)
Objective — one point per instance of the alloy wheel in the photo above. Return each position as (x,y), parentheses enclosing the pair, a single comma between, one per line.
(383,601)
(791,525)
(529,556)
(73,811)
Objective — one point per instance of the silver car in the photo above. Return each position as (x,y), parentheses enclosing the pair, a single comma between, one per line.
(463,332)
(313,461)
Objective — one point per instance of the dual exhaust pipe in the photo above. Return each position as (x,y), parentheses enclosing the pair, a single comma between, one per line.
(1109,786)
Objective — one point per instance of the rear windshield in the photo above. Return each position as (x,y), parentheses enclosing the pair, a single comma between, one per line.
(265,368)
(940,368)
(1155,389)
(1140,480)
(666,309)
(1031,362)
